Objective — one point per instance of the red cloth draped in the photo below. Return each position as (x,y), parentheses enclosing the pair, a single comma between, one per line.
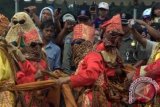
(27,74)
(90,68)
(153,69)
(28,71)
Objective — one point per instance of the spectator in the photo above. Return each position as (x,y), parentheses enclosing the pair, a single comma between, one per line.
(129,48)
(46,14)
(69,21)
(53,52)
(103,10)
(156,11)
(147,15)
(84,17)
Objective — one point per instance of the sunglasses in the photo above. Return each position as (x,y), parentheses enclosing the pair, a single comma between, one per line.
(34,44)
(20,22)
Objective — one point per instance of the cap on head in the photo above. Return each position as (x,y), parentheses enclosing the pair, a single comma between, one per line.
(84,14)
(68,17)
(147,13)
(125,17)
(103,5)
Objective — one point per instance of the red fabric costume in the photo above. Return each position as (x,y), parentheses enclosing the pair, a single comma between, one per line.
(28,71)
(89,70)
(152,70)
(93,65)
(30,67)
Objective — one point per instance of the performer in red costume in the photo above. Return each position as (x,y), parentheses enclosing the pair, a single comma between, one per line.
(97,67)
(24,34)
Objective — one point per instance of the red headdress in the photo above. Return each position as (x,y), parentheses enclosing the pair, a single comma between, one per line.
(82,31)
(32,36)
(113,25)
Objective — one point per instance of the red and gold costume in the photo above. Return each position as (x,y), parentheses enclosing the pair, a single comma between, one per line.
(25,35)
(94,68)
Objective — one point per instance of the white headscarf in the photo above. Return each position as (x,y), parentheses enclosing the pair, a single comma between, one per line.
(48,8)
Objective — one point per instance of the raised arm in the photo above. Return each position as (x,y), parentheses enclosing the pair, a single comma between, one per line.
(153,32)
(139,38)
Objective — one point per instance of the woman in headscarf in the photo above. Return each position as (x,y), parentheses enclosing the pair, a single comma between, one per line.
(97,68)
(47,13)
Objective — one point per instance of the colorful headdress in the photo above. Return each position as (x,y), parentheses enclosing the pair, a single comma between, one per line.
(22,28)
(4,22)
(82,31)
(113,25)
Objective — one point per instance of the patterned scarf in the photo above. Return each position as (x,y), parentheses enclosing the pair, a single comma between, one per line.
(80,50)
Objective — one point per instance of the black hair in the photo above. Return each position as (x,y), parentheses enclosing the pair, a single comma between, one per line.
(46,24)
(154,7)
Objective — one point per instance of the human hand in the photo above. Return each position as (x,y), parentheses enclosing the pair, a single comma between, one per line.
(31,10)
(63,80)
(57,14)
(68,24)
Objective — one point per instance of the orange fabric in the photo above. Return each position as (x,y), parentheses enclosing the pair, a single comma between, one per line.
(31,36)
(4,23)
(82,31)
(113,25)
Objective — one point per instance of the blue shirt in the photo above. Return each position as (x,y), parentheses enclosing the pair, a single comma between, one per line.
(97,22)
(53,53)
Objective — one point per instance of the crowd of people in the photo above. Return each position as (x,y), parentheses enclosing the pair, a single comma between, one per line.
(96,60)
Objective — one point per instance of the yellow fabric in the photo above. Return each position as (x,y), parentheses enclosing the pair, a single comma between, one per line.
(155,54)
(7,99)
(5,68)
(6,75)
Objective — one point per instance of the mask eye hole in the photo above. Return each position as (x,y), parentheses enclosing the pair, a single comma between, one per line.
(21,21)
(34,44)
(15,22)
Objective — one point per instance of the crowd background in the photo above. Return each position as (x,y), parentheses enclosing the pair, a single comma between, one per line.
(126,6)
